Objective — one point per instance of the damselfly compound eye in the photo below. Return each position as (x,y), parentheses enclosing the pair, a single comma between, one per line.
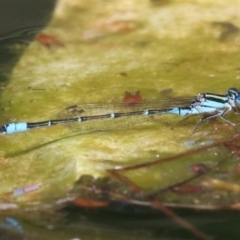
(234,94)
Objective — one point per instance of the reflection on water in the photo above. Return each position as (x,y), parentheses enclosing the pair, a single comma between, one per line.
(24,35)
(19,23)
(12,46)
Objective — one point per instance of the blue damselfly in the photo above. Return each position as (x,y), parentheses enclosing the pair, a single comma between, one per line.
(209,105)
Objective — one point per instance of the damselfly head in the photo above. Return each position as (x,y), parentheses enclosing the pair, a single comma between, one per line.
(234,94)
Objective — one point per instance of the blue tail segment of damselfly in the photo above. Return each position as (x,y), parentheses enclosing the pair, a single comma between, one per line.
(209,105)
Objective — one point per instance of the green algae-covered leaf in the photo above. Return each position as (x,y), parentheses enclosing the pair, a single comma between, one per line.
(202,177)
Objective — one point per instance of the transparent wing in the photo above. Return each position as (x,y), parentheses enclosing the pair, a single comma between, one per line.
(121,123)
(95,109)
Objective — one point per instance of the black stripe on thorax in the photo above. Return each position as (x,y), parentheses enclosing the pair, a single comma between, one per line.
(216,97)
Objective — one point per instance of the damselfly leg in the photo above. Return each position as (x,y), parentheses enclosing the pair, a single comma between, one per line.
(219,113)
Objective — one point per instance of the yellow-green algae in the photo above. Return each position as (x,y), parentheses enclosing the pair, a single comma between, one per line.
(171,45)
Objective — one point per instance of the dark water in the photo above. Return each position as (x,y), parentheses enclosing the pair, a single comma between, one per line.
(20,21)
(127,222)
